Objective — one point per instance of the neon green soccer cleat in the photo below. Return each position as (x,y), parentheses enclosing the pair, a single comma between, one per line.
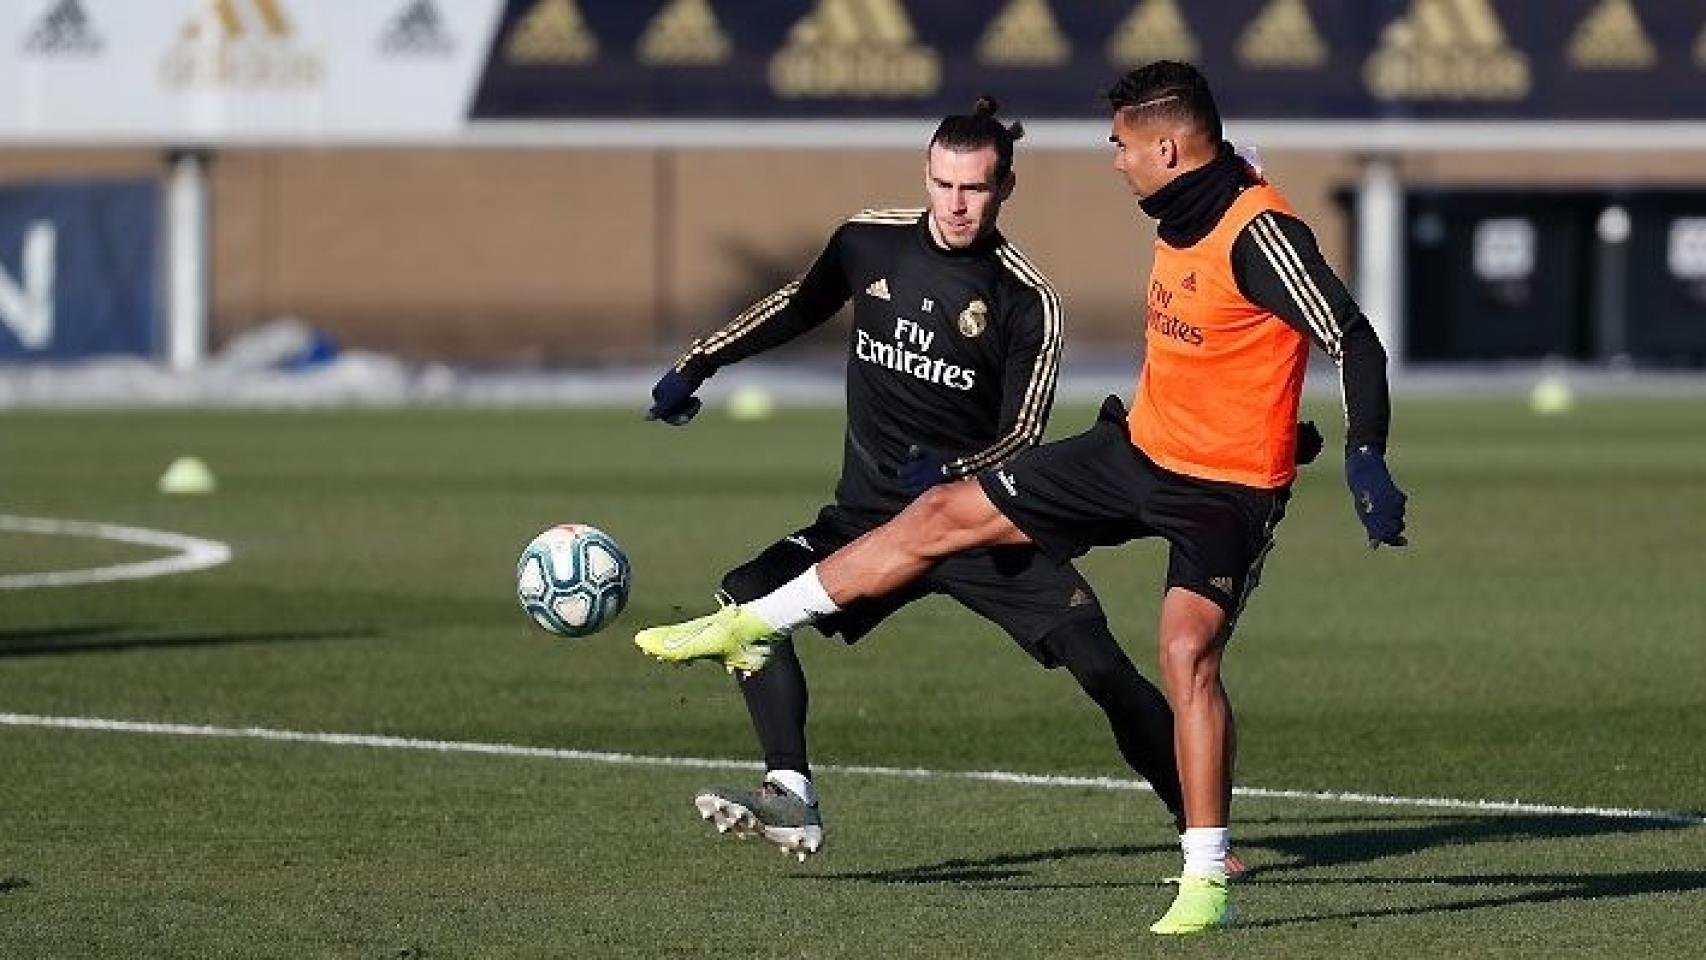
(733,636)
(1203,903)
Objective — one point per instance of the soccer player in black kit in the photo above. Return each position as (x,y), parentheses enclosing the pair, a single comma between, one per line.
(952,360)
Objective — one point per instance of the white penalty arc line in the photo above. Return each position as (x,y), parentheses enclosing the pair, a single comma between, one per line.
(914,773)
(190,553)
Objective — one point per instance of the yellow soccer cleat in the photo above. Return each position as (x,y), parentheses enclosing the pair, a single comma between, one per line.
(1203,903)
(733,636)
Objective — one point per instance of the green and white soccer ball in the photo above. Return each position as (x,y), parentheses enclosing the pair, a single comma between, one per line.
(572,579)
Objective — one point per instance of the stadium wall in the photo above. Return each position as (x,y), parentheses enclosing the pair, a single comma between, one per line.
(553,256)
(550,256)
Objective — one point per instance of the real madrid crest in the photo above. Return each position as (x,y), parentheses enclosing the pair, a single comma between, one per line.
(974,318)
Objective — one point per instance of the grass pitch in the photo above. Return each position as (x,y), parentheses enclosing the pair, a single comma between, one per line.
(1541,640)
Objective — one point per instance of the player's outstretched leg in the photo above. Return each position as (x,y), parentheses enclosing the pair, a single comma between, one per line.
(733,636)
(773,812)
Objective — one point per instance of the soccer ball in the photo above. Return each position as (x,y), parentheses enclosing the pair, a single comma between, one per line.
(572,579)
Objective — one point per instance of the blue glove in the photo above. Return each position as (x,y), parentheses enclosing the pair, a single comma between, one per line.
(673,401)
(1309,443)
(922,470)
(1379,503)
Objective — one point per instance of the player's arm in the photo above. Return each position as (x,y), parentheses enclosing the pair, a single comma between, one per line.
(1028,379)
(1279,267)
(796,308)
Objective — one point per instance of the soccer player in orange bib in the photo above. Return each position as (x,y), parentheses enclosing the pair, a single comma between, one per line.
(1204,459)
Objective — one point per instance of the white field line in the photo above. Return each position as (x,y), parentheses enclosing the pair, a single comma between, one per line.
(191,553)
(705,763)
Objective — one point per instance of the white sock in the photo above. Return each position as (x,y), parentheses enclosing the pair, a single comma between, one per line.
(1205,850)
(795,782)
(795,603)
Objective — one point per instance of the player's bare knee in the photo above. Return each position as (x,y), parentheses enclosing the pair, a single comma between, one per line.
(962,517)
(1190,654)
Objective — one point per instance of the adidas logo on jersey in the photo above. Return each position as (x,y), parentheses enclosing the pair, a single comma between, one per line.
(879,289)
(1190,282)
(1223,584)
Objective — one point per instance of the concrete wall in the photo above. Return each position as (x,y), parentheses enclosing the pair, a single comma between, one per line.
(547,256)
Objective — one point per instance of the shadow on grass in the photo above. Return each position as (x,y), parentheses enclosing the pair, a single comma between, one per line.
(108,638)
(1378,839)
(993,871)
(1486,891)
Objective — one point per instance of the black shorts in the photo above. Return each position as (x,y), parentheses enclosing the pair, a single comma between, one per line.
(1018,588)
(1098,489)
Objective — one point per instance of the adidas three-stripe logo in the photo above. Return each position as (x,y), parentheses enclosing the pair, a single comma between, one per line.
(1280,253)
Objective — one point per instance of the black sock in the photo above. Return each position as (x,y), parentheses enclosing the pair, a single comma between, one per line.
(776,697)
(1137,712)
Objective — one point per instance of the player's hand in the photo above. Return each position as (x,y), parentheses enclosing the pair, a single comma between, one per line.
(922,470)
(1379,503)
(1309,443)
(673,401)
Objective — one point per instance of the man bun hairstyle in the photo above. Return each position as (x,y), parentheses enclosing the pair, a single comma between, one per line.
(966,132)
(1168,90)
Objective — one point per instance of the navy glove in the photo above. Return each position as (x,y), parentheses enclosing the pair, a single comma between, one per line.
(1309,443)
(1379,502)
(922,470)
(673,401)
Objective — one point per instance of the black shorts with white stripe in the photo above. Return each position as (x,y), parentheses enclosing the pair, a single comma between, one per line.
(1097,489)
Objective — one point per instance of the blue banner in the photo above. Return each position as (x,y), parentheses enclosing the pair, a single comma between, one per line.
(1279,59)
(77,269)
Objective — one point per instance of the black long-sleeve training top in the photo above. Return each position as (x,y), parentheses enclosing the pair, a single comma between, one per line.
(955,351)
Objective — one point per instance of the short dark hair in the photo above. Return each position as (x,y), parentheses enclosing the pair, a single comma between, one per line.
(1169,90)
(963,133)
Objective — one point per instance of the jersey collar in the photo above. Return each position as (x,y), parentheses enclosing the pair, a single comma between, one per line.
(1187,209)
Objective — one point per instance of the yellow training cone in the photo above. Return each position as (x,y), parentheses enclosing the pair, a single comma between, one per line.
(187,475)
